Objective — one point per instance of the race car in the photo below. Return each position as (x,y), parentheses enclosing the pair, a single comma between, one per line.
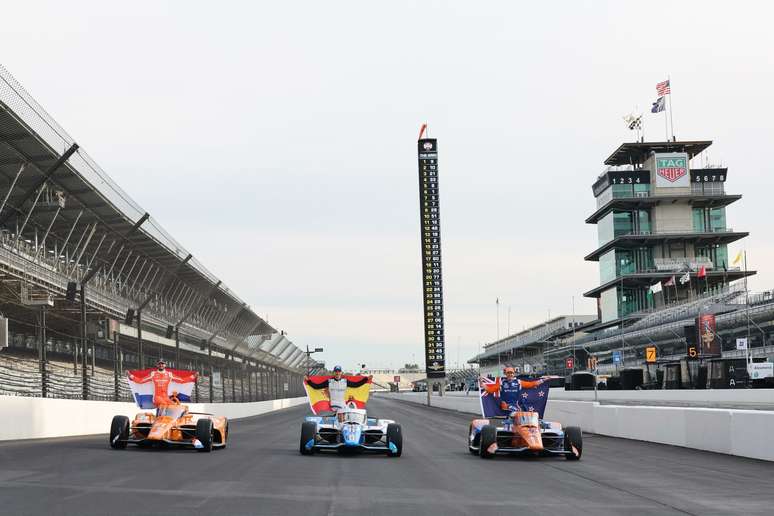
(350,429)
(172,425)
(523,433)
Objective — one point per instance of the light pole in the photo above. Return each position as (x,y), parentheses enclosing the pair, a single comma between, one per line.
(308,357)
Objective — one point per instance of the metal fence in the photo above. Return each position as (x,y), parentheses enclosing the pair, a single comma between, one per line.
(57,371)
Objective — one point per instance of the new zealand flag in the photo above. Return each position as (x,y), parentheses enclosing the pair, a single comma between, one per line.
(532,397)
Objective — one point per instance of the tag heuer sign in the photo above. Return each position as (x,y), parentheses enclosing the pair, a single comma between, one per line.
(672,170)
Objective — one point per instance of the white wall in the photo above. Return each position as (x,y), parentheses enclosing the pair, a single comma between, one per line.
(746,433)
(697,397)
(35,418)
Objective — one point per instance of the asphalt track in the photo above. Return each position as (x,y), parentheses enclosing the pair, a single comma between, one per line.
(261,472)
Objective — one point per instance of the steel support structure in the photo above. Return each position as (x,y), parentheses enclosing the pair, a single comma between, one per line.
(46,176)
(42,353)
(84,376)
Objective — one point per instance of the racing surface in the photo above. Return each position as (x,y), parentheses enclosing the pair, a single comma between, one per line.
(261,472)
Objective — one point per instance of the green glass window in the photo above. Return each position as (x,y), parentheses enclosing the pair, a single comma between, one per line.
(698,220)
(721,256)
(717,219)
(622,223)
(622,191)
(643,221)
(641,190)
(709,219)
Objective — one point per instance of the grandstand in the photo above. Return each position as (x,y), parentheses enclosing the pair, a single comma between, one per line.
(92,285)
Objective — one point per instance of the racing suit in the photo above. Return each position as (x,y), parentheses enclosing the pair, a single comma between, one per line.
(161,381)
(510,392)
(337,389)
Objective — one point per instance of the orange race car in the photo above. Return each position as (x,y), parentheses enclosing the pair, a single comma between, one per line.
(173,425)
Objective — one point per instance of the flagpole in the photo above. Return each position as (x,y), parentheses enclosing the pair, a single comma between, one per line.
(497,303)
(573,334)
(747,302)
(671,125)
(666,122)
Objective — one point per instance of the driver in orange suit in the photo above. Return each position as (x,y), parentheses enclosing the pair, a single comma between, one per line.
(161,379)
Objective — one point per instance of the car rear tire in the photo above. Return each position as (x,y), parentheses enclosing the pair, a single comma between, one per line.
(472,450)
(204,434)
(308,433)
(394,438)
(573,437)
(119,432)
(488,438)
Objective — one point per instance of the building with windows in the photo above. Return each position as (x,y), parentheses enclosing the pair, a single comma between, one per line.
(660,215)
(524,350)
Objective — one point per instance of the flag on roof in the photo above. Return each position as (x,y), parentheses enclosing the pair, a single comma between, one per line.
(685,278)
(702,272)
(656,288)
(738,258)
(670,283)
(658,106)
(662,88)
(633,121)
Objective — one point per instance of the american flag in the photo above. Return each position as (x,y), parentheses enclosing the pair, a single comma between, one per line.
(662,88)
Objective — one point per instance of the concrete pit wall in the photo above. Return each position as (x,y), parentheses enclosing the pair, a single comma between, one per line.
(36,418)
(741,432)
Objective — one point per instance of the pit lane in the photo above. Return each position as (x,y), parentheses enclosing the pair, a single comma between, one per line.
(261,472)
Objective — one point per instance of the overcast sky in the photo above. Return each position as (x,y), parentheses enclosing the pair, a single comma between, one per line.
(277,142)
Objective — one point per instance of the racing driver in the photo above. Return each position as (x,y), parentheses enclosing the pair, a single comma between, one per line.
(510,389)
(161,379)
(336,387)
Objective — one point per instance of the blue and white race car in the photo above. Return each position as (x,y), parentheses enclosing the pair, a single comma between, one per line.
(350,429)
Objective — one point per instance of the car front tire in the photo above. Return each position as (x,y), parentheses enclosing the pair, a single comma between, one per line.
(488,438)
(119,432)
(308,433)
(394,438)
(204,434)
(573,437)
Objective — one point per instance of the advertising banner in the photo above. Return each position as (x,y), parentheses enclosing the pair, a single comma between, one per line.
(672,170)
(432,285)
(708,342)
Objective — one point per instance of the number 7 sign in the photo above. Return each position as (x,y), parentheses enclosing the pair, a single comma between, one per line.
(650,354)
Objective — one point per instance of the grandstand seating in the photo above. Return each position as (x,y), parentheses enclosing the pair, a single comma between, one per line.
(21,376)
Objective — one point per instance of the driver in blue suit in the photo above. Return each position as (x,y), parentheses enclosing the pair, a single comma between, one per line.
(511,387)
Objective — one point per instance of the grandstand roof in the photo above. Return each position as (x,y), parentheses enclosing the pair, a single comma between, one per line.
(29,135)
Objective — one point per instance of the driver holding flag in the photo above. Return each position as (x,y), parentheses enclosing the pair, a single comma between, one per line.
(511,387)
(161,379)
(336,387)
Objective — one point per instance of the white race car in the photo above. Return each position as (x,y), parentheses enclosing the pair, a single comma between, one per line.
(350,429)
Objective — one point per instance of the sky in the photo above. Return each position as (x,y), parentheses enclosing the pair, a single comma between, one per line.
(277,142)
